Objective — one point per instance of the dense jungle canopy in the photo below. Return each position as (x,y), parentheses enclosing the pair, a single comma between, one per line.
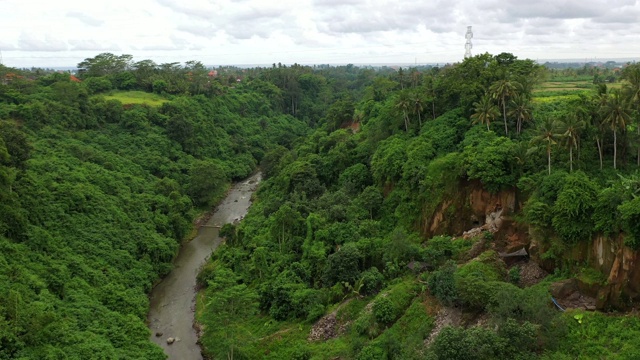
(103,172)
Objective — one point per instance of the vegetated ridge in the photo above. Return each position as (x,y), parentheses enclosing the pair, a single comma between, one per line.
(399,241)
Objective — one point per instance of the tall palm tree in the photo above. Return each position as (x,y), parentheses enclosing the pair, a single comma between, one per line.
(571,127)
(429,91)
(485,111)
(522,110)
(594,105)
(616,113)
(599,125)
(417,106)
(502,90)
(632,90)
(404,104)
(548,133)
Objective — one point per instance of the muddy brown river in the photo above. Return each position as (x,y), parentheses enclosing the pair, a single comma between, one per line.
(172,301)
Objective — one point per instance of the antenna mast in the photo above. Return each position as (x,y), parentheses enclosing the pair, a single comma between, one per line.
(468,45)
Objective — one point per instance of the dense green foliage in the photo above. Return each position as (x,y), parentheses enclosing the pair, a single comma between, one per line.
(340,217)
(95,197)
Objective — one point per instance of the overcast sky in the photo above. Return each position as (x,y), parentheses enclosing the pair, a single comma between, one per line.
(221,32)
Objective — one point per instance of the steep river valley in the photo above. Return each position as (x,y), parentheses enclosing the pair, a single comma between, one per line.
(172,301)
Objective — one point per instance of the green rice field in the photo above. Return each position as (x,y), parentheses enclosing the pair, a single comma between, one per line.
(137,97)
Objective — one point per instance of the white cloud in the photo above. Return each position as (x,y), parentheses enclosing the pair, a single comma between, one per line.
(92,45)
(85,18)
(48,43)
(313,31)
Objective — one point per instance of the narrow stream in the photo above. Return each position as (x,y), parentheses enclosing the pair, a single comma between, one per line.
(172,301)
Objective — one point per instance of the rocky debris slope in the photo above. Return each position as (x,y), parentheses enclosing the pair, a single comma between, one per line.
(328,326)
(447,316)
(568,294)
(531,273)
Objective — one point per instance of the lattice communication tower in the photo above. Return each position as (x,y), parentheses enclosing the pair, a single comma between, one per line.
(468,45)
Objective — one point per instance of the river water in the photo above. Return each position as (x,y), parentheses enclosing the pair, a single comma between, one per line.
(172,301)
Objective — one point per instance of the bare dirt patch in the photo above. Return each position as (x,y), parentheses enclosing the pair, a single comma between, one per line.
(447,316)
(531,273)
(328,326)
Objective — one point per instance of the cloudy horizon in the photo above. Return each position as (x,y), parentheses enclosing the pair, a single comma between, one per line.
(240,32)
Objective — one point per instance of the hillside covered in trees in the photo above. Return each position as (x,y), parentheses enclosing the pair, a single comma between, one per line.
(358,245)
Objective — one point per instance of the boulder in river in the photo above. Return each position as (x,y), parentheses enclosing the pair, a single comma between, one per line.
(170,340)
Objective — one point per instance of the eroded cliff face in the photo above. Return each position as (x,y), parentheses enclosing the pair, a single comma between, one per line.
(609,256)
(619,263)
(474,207)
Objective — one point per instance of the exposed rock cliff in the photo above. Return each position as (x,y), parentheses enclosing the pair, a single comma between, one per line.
(472,207)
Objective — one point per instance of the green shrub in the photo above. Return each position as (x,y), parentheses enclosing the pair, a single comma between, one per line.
(574,207)
(606,217)
(97,84)
(468,344)
(475,293)
(488,266)
(514,275)
(343,265)
(301,352)
(387,161)
(372,352)
(630,214)
(442,284)
(366,325)
(529,304)
(384,311)
(372,281)
(439,249)
(593,335)
(491,162)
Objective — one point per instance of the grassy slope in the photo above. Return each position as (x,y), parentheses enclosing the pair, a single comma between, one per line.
(137,97)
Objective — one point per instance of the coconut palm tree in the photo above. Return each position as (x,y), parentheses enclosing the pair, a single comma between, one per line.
(404,103)
(417,106)
(594,105)
(485,111)
(502,90)
(548,133)
(571,126)
(522,109)
(599,125)
(430,92)
(632,90)
(616,113)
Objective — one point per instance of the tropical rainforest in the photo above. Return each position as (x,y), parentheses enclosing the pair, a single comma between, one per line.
(487,209)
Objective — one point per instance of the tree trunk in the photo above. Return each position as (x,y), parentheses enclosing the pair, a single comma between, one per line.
(433,109)
(579,148)
(570,158)
(282,238)
(615,148)
(406,121)
(599,151)
(549,159)
(419,119)
(504,115)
